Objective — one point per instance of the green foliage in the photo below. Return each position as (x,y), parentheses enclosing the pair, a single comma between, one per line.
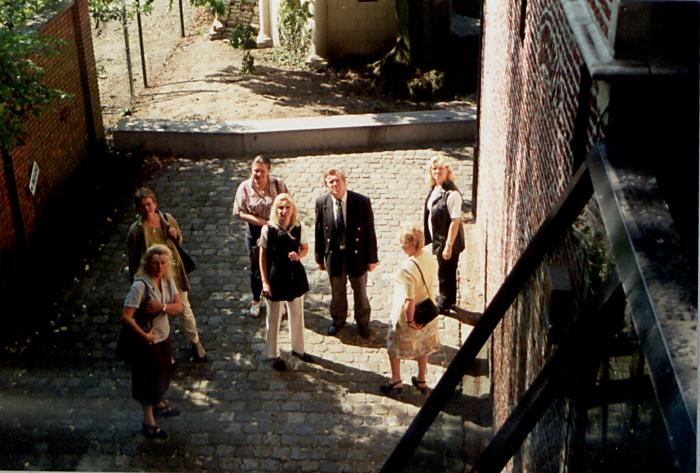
(214,6)
(248,63)
(118,10)
(589,231)
(243,37)
(295,35)
(22,92)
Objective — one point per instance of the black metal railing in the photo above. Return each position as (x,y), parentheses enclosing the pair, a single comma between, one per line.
(628,281)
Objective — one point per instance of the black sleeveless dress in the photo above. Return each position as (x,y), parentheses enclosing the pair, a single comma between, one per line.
(287,278)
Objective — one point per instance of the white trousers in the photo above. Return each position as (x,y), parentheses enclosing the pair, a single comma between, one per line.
(295,319)
(187,321)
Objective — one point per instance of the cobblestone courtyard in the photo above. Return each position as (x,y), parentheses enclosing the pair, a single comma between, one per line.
(66,405)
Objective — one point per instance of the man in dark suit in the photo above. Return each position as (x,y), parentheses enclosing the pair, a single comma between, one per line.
(345,247)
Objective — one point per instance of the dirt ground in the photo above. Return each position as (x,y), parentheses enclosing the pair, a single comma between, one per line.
(202,80)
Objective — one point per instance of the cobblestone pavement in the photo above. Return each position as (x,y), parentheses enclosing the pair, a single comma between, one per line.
(65,403)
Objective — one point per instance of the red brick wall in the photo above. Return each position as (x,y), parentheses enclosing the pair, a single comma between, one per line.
(528,104)
(62,137)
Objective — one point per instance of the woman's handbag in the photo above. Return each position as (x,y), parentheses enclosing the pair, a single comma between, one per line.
(425,311)
(128,339)
(187,261)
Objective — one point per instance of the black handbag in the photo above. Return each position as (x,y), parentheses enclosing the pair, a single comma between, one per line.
(187,261)
(128,339)
(425,311)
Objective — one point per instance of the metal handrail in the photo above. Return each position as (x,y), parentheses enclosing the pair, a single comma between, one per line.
(679,422)
(562,216)
(561,370)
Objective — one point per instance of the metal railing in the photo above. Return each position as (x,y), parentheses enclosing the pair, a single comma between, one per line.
(628,283)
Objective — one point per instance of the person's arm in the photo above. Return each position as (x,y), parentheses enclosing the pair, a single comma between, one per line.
(454,205)
(174,231)
(451,237)
(320,238)
(128,319)
(252,219)
(241,209)
(263,271)
(409,308)
(371,241)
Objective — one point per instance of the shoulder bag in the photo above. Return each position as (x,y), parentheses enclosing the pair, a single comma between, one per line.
(128,339)
(425,311)
(187,261)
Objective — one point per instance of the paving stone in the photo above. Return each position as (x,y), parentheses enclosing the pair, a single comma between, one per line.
(65,403)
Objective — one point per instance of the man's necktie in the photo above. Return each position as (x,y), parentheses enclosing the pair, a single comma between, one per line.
(340,224)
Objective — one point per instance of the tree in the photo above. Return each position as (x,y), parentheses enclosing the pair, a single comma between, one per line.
(427,62)
(22,93)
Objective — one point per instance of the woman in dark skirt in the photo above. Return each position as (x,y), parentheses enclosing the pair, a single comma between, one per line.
(152,297)
(282,245)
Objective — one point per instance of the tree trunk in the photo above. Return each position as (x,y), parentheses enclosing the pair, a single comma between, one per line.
(423,28)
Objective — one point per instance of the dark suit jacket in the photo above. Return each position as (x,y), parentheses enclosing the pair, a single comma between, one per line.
(360,238)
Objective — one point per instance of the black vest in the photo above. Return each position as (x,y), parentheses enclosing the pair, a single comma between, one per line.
(287,278)
(439,216)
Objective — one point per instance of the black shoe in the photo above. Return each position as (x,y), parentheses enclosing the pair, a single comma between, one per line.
(363,329)
(391,388)
(304,357)
(166,411)
(278,364)
(154,432)
(421,385)
(334,329)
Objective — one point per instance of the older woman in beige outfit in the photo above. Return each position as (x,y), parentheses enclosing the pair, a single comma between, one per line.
(406,339)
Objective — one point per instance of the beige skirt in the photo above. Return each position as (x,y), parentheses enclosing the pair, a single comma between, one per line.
(407,343)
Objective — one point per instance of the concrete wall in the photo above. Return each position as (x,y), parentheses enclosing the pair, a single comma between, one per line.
(360,28)
(62,137)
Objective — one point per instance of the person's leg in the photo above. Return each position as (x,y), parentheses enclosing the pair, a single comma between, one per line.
(422,367)
(148,417)
(395,363)
(272,328)
(189,325)
(295,319)
(447,277)
(251,242)
(339,299)
(362,308)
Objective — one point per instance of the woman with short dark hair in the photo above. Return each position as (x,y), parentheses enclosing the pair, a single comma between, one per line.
(252,204)
(406,338)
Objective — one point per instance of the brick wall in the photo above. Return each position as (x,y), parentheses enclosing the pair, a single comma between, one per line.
(360,28)
(60,139)
(528,104)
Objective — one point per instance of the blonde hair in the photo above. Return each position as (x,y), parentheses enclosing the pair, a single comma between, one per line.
(412,236)
(277,202)
(439,161)
(152,251)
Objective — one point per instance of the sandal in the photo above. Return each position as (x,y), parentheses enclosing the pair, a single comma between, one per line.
(154,432)
(421,385)
(165,411)
(391,388)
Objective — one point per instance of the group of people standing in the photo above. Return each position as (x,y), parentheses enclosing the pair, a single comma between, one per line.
(345,247)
